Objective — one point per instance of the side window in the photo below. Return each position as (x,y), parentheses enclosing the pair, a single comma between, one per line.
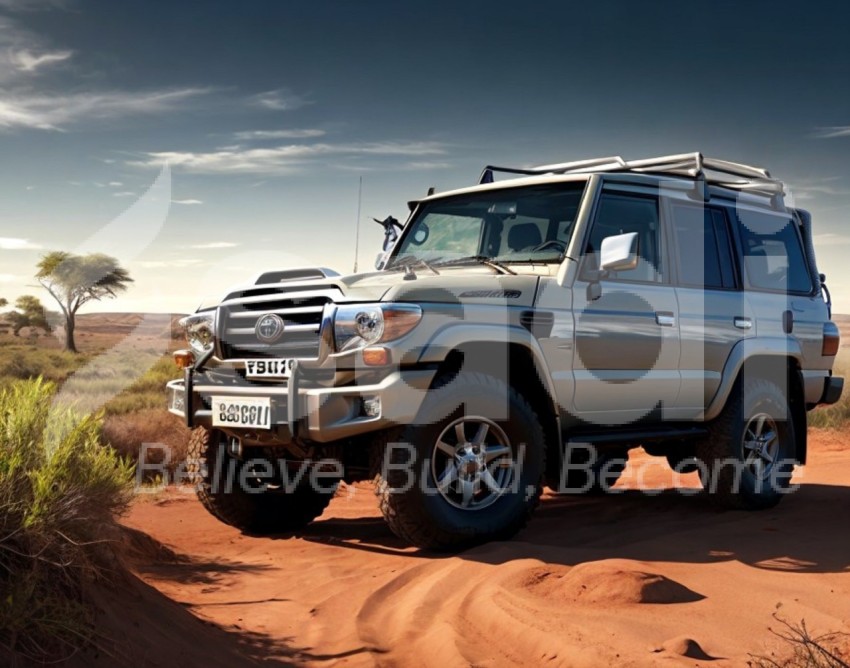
(620,214)
(773,253)
(703,252)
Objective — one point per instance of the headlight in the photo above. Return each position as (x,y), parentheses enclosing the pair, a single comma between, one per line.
(199,330)
(366,324)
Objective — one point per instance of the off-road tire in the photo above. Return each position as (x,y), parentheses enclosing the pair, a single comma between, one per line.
(262,513)
(725,442)
(426,519)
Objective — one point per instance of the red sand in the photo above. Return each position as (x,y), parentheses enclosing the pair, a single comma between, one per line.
(629,579)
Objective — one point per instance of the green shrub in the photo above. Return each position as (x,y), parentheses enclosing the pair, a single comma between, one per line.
(60,492)
(21,361)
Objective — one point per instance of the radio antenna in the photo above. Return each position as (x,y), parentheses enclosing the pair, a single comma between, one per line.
(357,225)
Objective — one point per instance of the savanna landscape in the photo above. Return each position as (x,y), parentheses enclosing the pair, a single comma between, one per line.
(110,568)
(172,171)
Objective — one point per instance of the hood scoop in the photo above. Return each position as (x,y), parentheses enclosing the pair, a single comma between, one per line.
(306,274)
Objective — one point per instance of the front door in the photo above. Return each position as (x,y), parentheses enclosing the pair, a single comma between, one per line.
(626,355)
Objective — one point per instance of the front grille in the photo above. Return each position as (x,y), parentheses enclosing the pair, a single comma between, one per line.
(300,310)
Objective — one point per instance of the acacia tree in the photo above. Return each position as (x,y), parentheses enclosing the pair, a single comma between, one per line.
(74,280)
(30,313)
(3,302)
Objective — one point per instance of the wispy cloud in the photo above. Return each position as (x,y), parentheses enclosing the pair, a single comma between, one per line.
(831,239)
(831,132)
(24,54)
(282,159)
(427,164)
(53,112)
(124,193)
(13,243)
(281,99)
(215,244)
(308,133)
(9,278)
(27,61)
(187,201)
(31,5)
(808,188)
(178,263)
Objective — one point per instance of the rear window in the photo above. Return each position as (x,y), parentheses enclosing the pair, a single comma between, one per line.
(773,253)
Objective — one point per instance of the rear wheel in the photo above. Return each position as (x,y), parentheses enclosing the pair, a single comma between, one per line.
(226,487)
(469,470)
(748,458)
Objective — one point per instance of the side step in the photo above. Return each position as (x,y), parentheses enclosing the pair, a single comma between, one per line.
(636,436)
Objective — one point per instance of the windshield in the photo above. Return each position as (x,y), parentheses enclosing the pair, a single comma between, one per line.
(529,224)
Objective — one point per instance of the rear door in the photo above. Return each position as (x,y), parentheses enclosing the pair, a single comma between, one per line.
(713,312)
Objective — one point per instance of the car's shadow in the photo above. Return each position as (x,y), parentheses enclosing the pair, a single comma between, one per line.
(807,532)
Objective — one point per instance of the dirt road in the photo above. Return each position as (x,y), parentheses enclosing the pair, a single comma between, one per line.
(630,579)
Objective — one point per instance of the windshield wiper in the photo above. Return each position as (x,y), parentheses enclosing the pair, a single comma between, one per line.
(407,264)
(479,259)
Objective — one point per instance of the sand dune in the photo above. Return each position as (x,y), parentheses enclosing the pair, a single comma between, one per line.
(629,580)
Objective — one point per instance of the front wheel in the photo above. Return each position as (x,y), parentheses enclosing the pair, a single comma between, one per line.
(226,487)
(468,470)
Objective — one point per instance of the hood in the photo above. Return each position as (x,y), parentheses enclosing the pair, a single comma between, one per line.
(469,284)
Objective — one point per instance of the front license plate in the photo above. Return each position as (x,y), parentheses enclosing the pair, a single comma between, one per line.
(241,412)
(268,368)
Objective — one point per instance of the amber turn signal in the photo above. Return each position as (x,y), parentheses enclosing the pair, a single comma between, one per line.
(184,358)
(376,356)
(831,339)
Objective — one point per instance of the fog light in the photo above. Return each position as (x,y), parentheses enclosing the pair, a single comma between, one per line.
(376,356)
(177,403)
(184,358)
(372,406)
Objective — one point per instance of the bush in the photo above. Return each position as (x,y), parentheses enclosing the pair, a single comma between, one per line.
(60,492)
(126,433)
(20,362)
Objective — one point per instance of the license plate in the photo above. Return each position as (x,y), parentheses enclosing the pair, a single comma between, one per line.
(241,412)
(268,368)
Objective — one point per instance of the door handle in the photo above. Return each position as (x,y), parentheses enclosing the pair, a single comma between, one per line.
(665,318)
(743,323)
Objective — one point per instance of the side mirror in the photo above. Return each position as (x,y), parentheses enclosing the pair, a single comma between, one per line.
(380,261)
(619,253)
(391,231)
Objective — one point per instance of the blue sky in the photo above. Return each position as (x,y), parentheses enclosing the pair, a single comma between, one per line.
(269,112)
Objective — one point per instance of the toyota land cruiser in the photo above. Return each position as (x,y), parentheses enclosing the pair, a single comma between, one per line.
(528,330)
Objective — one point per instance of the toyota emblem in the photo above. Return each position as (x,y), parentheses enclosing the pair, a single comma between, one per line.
(269,328)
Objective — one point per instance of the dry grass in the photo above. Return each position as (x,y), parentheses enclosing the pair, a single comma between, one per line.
(800,649)
(838,415)
(127,433)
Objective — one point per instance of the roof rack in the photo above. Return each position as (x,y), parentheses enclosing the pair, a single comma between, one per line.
(689,165)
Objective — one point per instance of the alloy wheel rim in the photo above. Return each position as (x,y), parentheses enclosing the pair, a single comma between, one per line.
(761,445)
(472,463)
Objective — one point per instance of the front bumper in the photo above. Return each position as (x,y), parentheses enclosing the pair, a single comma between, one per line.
(321,414)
